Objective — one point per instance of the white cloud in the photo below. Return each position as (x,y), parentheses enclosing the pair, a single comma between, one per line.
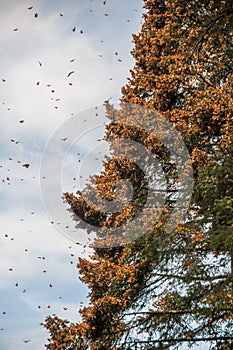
(49,39)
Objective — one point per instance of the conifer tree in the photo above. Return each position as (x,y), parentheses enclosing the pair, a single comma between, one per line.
(165,289)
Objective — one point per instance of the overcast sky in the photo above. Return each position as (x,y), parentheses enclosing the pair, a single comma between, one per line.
(41,42)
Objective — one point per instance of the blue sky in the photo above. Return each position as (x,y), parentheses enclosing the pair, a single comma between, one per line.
(38,273)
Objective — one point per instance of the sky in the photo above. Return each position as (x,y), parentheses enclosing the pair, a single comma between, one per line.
(58,59)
